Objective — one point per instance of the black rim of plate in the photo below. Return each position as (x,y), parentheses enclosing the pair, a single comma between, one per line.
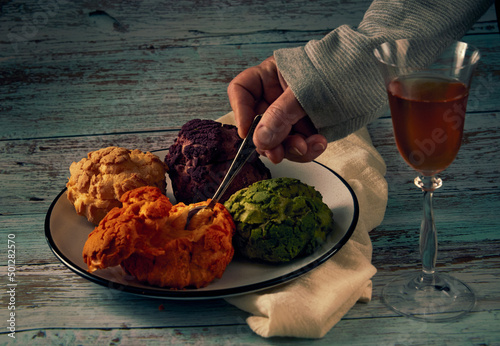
(192,294)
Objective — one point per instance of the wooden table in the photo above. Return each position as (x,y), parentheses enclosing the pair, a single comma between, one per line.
(77,76)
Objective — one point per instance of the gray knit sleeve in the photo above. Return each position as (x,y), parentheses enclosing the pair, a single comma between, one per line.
(336,79)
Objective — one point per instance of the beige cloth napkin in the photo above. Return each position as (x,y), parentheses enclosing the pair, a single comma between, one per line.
(311,305)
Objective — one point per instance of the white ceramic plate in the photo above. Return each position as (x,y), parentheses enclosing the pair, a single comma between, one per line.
(66,233)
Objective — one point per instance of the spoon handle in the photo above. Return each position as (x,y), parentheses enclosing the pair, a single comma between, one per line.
(247,148)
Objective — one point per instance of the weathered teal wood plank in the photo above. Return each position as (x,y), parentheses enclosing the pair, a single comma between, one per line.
(127,91)
(126,19)
(76,83)
(106,84)
(168,326)
(472,178)
(52,291)
(471,331)
(33,172)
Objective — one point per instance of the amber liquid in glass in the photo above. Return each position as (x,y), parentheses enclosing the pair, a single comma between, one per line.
(428,114)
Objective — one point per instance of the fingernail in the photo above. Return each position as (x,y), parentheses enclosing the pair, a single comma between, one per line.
(318,147)
(296,151)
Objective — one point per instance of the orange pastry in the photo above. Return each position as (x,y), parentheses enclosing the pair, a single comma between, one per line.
(147,237)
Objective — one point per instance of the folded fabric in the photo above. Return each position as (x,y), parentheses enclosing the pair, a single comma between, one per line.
(312,304)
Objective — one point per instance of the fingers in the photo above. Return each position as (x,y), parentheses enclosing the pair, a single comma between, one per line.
(252,91)
(244,91)
(277,121)
(297,148)
(284,131)
(303,144)
(307,150)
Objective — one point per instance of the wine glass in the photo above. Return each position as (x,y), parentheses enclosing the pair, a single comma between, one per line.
(427,83)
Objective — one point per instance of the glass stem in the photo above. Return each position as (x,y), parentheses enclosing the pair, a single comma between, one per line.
(428,232)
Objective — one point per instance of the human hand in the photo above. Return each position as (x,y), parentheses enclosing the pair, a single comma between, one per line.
(285,130)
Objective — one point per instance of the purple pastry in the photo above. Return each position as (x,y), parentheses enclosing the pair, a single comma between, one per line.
(200,157)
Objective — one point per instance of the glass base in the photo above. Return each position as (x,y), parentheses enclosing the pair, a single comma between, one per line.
(428,297)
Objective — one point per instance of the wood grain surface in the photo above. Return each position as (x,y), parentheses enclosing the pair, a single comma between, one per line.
(76,76)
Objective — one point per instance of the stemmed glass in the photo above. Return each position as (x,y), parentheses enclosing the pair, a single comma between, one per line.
(427,83)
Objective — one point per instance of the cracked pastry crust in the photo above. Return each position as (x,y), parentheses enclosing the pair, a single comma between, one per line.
(200,157)
(147,237)
(97,182)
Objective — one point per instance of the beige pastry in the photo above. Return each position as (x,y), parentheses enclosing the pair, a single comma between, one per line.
(97,182)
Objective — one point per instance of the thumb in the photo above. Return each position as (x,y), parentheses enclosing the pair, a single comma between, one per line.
(277,121)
